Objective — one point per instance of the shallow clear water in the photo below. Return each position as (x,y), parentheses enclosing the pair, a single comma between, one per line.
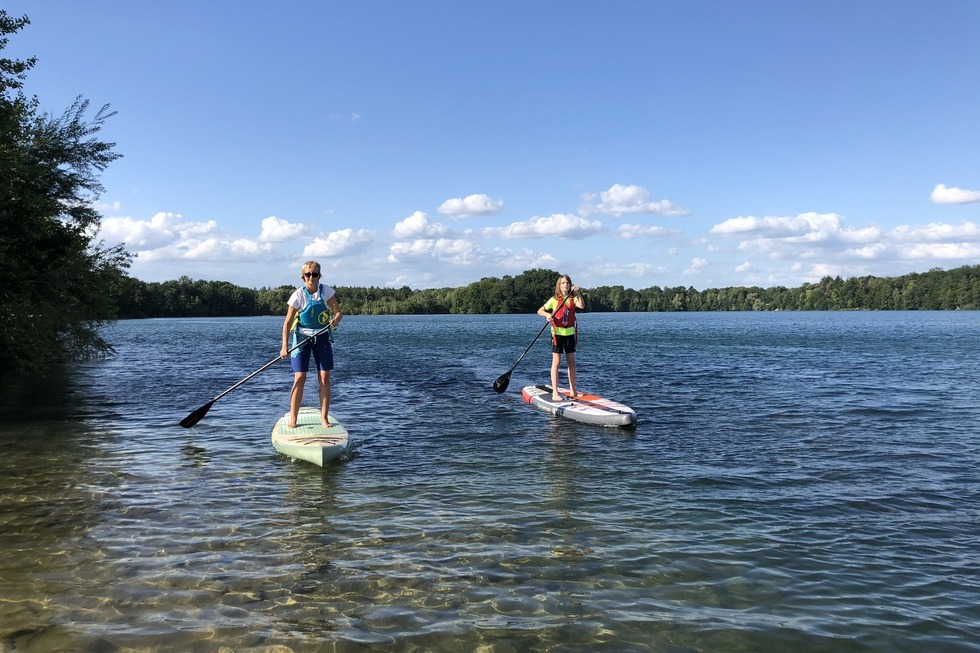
(797,481)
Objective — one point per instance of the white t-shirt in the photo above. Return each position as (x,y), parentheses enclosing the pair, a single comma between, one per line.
(298,299)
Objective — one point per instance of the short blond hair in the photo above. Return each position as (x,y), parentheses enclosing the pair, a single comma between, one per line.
(309,266)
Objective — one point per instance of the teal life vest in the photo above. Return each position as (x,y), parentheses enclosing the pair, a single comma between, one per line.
(315,314)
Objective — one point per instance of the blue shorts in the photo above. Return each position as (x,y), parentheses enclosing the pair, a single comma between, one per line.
(299,358)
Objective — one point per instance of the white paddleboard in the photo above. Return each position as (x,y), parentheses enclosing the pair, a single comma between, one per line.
(584,407)
(310,441)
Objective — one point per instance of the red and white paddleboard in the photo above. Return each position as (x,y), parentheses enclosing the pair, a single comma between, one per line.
(584,407)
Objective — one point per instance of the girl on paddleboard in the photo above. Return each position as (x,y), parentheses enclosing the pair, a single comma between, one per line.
(559,310)
(308,311)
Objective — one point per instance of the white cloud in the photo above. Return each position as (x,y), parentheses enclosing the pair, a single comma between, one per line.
(821,270)
(819,245)
(630,231)
(105,207)
(454,250)
(617,269)
(938,232)
(340,243)
(208,249)
(520,260)
(809,228)
(621,199)
(418,225)
(873,251)
(216,249)
(275,230)
(943,194)
(697,264)
(777,227)
(560,224)
(470,206)
(945,251)
(161,230)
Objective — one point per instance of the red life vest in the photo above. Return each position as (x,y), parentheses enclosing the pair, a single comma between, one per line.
(564,315)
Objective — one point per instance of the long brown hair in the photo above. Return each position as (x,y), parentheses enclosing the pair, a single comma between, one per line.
(558,286)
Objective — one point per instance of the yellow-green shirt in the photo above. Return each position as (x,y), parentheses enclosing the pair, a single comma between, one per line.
(552,305)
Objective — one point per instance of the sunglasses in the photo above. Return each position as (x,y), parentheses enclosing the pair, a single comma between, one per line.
(311,275)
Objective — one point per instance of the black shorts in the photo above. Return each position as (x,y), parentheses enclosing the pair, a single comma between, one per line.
(563,344)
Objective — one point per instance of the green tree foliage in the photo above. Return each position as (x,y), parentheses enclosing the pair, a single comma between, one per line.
(525,293)
(58,285)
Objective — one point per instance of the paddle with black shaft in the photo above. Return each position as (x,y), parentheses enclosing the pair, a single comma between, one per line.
(199,414)
(500,385)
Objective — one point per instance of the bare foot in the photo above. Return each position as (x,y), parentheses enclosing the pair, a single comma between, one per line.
(291,425)
(556,398)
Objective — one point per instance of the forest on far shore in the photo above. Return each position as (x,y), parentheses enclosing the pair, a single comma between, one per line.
(938,289)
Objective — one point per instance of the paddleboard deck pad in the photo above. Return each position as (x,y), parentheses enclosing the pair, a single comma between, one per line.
(310,441)
(584,407)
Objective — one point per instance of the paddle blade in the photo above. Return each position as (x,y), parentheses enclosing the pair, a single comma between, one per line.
(500,385)
(196,416)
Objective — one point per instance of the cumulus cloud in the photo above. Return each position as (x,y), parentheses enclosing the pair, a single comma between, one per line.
(945,251)
(803,236)
(214,248)
(618,269)
(752,224)
(943,194)
(562,225)
(697,264)
(276,230)
(167,236)
(810,228)
(454,250)
(161,230)
(418,225)
(938,232)
(470,206)
(872,251)
(105,207)
(825,245)
(520,260)
(339,243)
(621,199)
(217,249)
(630,231)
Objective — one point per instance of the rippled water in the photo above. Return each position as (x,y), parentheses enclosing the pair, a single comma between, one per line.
(796,482)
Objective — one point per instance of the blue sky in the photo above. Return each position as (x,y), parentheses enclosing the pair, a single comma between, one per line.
(432,143)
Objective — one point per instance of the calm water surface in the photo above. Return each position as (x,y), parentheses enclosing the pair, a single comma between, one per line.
(797,482)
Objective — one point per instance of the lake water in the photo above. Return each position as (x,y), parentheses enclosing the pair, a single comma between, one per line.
(797,482)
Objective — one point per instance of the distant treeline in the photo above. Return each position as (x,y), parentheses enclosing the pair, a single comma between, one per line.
(934,290)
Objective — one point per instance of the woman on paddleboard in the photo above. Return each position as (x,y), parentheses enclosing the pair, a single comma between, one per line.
(559,310)
(308,311)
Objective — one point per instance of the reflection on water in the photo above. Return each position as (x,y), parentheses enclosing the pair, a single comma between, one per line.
(796,481)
